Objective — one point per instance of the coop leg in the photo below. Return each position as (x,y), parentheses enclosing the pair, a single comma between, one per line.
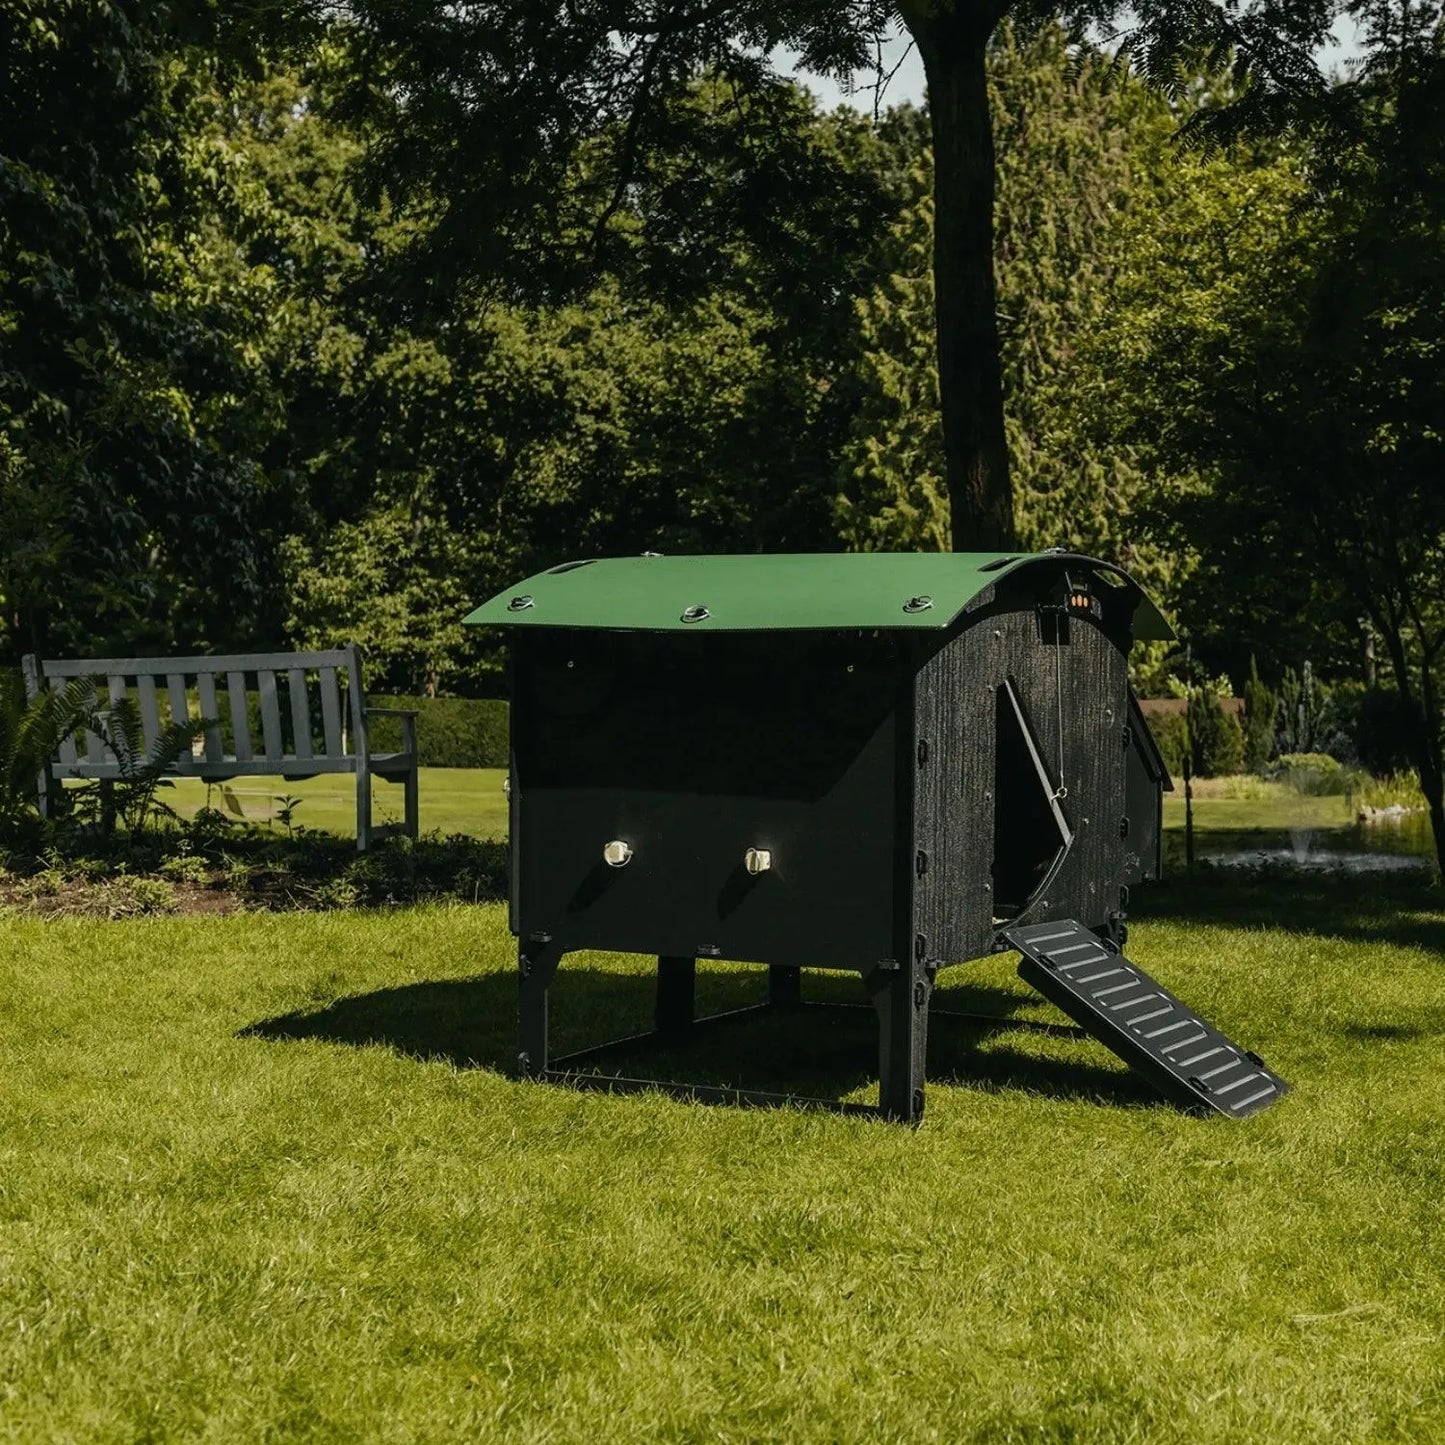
(900,995)
(536,964)
(785,986)
(676,994)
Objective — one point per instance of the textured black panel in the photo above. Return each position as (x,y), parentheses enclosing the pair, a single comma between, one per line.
(1146,778)
(1143,1023)
(1074,677)
(953,800)
(693,751)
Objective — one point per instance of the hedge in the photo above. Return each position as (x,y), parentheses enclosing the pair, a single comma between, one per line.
(451,732)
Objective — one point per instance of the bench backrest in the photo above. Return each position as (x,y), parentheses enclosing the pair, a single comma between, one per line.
(164,687)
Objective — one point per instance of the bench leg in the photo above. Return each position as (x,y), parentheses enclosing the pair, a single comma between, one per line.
(363,810)
(413,810)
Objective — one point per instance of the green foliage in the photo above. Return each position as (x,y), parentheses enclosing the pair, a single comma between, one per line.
(1171,736)
(1294,354)
(1315,775)
(1385,730)
(451,732)
(1077,142)
(134,401)
(1261,708)
(134,797)
(1304,705)
(1389,790)
(30,732)
(1215,736)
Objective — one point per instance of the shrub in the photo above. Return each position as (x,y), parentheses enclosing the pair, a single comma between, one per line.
(1260,708)
(451,732)
(1171,737)
(130,896)
(1216,738)
(1317,775)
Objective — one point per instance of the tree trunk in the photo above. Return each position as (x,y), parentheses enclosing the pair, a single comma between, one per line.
(1426,749)
(1431,767)
(970,379)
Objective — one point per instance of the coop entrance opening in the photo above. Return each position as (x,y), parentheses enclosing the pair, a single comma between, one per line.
(1030,833)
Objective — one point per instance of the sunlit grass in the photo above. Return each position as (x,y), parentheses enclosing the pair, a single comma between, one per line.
(350,1225)
(1278,808)
(452,800)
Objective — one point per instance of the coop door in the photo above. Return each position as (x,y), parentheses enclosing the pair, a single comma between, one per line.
(1030,832)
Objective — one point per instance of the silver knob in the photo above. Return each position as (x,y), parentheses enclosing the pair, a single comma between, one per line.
(617,854)
(758,860)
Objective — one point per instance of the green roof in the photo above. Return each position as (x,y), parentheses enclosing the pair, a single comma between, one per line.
(801,592)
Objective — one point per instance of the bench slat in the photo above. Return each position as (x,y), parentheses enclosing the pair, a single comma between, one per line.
(176,691)
(270,714)
(300,712)
(237,662)
(206,691)
(220,770)
(240,723)
(150,714)
(95,748)
(331,711)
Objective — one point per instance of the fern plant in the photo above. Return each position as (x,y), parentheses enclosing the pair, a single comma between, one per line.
(30,732)
(134,796)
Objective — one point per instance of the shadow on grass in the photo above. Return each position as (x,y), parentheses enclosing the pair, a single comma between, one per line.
(823,1053)
(1409,913)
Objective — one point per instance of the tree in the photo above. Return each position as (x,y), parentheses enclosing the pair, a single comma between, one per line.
(1260,706)
(133,401)
(481,111)
(1080,147)
(1215,736)
(697,394)
(1309,386)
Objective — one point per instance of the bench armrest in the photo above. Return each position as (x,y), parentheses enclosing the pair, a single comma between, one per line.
(406,716)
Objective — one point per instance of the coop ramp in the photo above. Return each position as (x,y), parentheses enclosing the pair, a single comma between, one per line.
(1184,1058)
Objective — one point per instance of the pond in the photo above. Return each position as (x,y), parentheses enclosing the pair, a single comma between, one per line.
(1397,846)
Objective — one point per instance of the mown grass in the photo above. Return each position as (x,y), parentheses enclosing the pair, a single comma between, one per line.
(261,1178)
(1276,809)
(452,800)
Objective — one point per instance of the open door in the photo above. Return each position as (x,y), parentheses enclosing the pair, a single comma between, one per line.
(1030,832)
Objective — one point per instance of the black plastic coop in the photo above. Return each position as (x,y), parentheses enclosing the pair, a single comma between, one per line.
(885,763)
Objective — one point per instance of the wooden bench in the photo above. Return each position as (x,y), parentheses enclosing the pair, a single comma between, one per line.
(310,684)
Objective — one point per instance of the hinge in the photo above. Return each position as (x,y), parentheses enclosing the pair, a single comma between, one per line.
(920,863)
(922,751)
(1128,737)
(1124,826)
(920,945)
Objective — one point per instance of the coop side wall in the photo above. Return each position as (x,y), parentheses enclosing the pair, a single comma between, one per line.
(1081,686)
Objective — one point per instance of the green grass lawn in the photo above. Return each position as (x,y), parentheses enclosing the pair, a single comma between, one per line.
(1279,810)
(262,1178)
(470,800)
(453,800)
